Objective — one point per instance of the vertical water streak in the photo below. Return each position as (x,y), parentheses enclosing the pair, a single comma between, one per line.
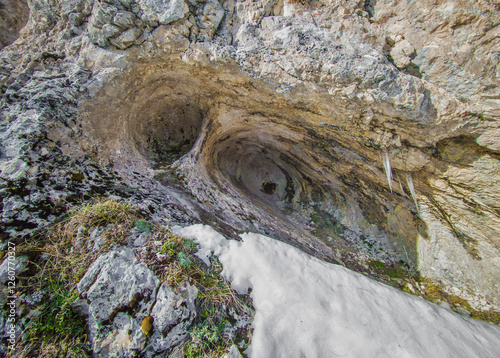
(409,181)
(400,184)
(388,171)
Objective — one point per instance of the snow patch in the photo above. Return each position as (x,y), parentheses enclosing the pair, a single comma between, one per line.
(210,241)
(308,308)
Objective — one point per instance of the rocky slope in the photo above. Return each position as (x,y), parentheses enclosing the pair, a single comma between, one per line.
(359,131)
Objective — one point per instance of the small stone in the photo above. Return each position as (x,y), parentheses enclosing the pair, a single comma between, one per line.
(103,15)
(140,240)
(210,19)
(147,325)
(165,11)
(124,19)
(233,352)
(127,38)
(109,30)
(81,307)
(401,53)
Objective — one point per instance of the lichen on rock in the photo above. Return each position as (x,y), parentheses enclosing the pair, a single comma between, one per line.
(277,117)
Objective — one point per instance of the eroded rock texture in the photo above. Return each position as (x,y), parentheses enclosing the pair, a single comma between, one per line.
(13,17)
(122,293)
(355,130)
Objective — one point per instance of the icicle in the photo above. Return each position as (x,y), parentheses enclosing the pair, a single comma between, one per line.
(409,181)
(400,184)
(388,171)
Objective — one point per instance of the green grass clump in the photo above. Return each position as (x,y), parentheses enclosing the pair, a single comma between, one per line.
(376,264)
(393,271)
(167,249)
(142,226)
(59,331)
(206,341)
(183,260)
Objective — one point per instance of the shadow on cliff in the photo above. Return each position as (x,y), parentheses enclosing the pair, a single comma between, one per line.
(247,159)
(14,15)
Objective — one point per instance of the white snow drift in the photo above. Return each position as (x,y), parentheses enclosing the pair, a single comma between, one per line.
(309,308)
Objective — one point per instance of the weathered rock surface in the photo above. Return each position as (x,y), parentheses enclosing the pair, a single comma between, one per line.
(11,267)
(173,312)
(122,293)
(286,114)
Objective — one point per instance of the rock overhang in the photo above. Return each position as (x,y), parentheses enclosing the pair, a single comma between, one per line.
(332,79)
(257,160)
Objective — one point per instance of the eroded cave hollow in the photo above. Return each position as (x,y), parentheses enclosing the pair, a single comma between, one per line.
(258,172)
(255,160)
(165,127)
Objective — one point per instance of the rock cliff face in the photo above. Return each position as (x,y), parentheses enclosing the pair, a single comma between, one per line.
(355,130)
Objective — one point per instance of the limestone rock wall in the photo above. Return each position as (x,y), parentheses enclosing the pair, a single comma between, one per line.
(286,113)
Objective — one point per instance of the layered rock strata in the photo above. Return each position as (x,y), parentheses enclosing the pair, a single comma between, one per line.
(357,130)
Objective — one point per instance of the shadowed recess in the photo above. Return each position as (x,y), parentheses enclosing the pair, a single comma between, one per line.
(256,162)
(14,15)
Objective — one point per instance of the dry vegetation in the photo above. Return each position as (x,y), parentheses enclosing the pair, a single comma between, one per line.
(66,251)
(60,260)
(172,258)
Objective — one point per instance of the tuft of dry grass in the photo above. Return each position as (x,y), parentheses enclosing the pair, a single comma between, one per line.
(301,2)
(67,251)
(67,254)
(217,292)
(58,331)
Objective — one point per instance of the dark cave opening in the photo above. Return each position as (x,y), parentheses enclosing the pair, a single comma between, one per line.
(268,188)
(165,131)
(259,170)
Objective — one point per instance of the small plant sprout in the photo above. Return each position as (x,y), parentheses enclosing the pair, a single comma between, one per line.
(184,260)
(189,243)
(142,226)
(168,249)
(387,167)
